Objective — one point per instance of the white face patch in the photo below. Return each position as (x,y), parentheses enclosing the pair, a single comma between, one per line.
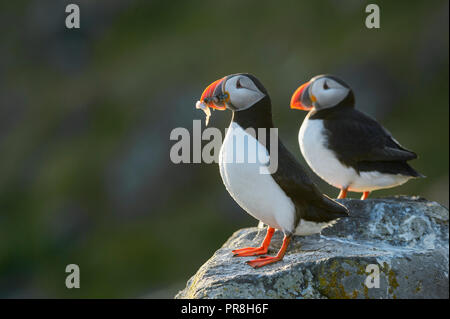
(328,93)
(243,92)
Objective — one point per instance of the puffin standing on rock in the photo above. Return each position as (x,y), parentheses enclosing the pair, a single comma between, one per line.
(285,199)
(345,147)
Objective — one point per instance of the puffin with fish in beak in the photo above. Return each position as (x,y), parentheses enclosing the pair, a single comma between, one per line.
(345,147)
(284,199)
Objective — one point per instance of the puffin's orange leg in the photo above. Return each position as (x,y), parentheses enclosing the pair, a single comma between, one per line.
(343,193)
(265,260)
(253,251)
(365,195)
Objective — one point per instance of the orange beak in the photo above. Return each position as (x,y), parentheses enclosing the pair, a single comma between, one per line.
(301,99)
(214,96)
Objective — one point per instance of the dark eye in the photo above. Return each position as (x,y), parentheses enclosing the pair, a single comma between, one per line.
(238,84)
(325,86)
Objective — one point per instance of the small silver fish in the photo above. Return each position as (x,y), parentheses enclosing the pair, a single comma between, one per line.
(201,105)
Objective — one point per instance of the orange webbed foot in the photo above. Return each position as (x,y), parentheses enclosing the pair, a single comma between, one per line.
(254,251)
(249,251)
(263,261)
(266,260)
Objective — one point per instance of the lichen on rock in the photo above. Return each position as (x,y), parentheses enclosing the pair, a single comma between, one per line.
(405,238)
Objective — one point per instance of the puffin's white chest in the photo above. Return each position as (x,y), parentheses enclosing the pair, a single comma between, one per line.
(240,159)
(324,163)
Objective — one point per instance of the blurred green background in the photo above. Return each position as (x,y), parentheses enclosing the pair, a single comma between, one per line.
(85,118)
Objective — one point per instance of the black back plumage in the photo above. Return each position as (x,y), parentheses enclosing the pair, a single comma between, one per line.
(309,202)
(360,142)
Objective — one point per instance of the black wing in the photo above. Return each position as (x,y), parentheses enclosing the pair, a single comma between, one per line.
(309,202)
(355,137)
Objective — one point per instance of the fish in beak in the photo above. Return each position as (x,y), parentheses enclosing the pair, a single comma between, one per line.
(213,97)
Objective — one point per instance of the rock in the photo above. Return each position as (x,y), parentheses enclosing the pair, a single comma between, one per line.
(405,238)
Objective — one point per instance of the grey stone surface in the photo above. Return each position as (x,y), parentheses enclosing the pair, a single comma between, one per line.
(406,237)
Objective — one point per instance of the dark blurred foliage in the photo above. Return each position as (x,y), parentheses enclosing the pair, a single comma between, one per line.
(85,118)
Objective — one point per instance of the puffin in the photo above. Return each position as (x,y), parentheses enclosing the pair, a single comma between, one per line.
(345,147)
(284,198)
